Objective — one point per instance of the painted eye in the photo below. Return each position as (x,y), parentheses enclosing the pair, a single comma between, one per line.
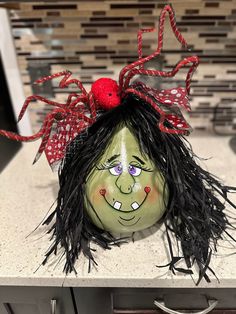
(134,171)
(117,170)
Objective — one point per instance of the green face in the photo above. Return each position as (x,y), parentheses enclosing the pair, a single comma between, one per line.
(125,192)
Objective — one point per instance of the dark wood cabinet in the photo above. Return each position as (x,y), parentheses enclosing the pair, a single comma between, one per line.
(141,300)
(35,300)
(101,300)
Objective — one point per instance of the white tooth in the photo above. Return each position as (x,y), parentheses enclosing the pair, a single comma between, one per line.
(135,205)
(117,205)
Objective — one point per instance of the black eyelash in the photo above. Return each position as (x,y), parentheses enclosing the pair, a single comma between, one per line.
(146,169)
(142,167)
(105,166)
(100,167)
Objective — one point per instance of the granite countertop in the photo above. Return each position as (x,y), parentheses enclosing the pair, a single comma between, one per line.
(26,194)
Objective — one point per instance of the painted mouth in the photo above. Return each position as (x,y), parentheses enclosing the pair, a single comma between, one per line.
(117,205)
(127,219)
(128,224)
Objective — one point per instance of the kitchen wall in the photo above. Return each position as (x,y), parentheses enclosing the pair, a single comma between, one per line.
(97,38)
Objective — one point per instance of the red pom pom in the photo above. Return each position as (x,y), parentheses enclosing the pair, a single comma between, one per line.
(105,93)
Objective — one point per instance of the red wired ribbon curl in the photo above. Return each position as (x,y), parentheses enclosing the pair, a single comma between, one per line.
(80,109)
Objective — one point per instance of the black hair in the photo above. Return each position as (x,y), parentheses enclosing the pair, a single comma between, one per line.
(194,215)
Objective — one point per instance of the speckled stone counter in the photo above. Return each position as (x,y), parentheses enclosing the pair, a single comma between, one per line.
(26,194)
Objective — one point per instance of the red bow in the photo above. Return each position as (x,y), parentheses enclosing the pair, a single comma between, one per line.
(80,109)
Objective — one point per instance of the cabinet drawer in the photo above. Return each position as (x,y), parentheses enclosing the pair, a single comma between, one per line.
(160,312)
(142,300)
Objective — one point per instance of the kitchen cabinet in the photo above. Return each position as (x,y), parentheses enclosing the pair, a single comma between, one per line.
(35,300)
(93,300)
(102,300)
(141,300)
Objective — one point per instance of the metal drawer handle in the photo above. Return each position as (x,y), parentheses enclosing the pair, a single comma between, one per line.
(161,305)
(53,306)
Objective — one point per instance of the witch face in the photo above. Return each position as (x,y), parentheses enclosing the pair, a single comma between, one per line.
(125,192)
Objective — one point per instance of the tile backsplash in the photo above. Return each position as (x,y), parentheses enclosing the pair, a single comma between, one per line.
(97,38)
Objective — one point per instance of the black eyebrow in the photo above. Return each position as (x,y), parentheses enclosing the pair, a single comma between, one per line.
(112,158)
(140,160)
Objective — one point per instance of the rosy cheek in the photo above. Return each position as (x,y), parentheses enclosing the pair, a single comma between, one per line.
(153,196)
(98,195)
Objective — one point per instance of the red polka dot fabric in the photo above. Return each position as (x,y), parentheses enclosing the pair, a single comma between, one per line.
(175,96)
(66,130)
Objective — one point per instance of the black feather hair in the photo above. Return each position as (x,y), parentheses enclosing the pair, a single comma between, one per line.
(195,212)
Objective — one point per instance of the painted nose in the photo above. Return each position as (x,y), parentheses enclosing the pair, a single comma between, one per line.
(125,183)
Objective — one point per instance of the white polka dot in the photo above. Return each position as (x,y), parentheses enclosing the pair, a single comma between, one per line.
(161,94)
(167,101)
(49,147)
(67,138)
(180,125)
(75,134)
(59,145)
(174,91)
(52,160)
(178,95)
(49,153)
(67,127)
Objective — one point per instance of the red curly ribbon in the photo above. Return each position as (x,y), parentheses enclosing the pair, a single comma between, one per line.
(80,110)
